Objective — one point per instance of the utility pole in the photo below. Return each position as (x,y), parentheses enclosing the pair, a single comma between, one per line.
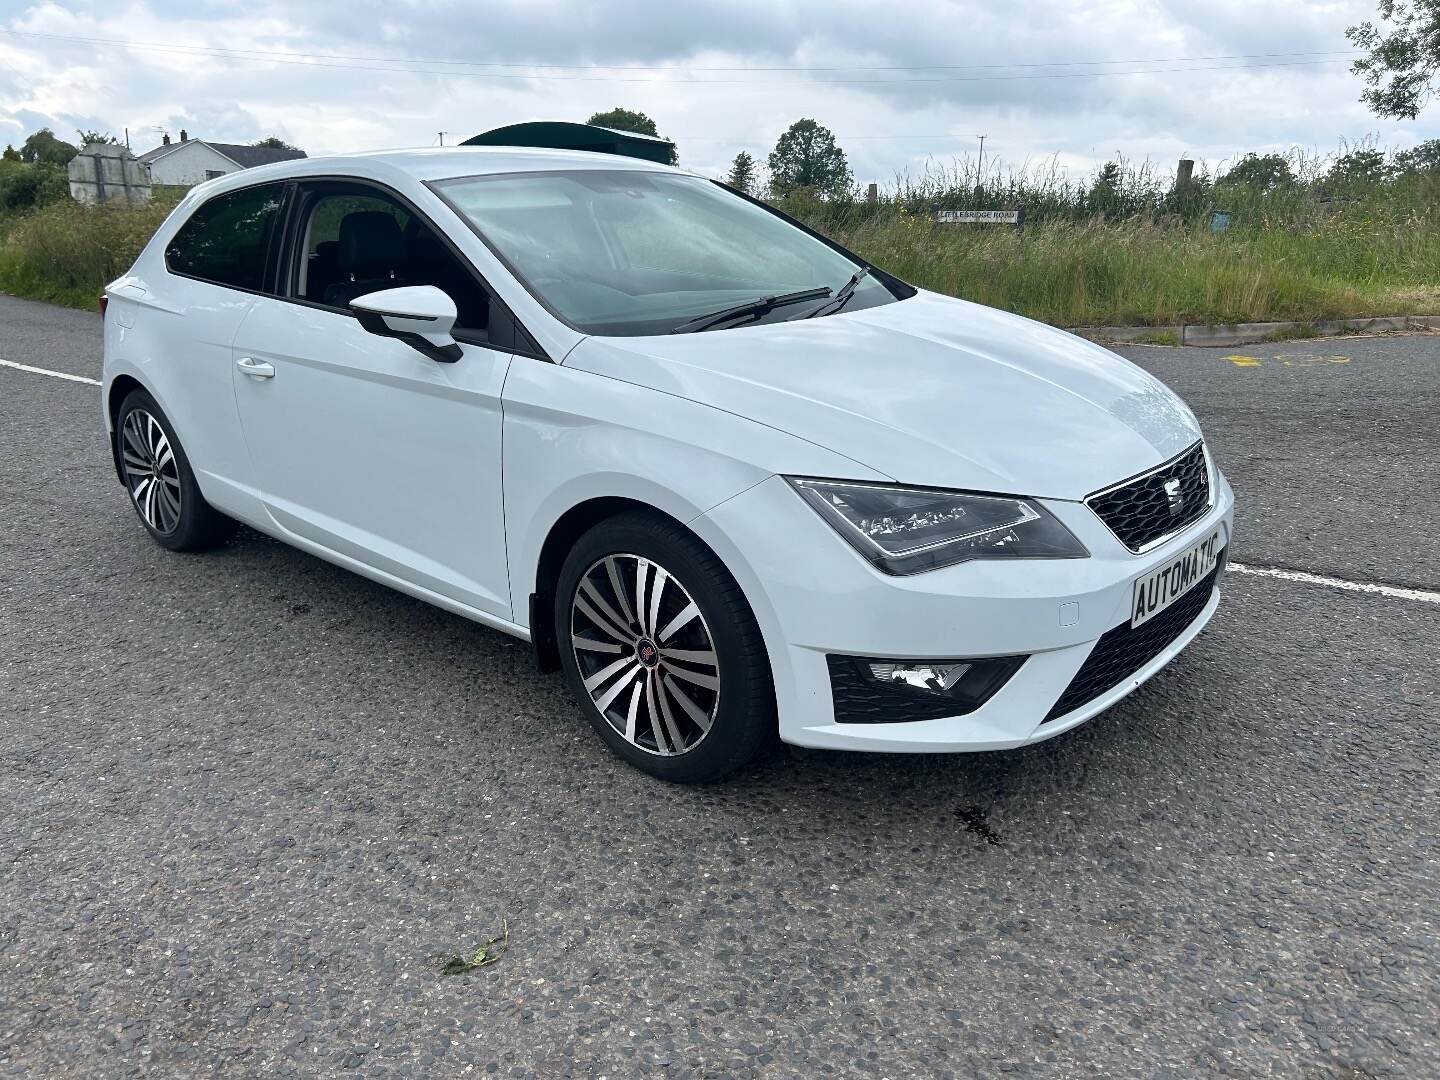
(980,166)
(442,138)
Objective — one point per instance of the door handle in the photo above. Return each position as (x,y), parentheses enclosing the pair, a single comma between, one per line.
(257,369)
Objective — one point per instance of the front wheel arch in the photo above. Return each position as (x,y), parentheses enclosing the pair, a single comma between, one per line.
(568,529)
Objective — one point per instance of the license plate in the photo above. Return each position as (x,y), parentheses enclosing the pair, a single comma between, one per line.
(1160,588)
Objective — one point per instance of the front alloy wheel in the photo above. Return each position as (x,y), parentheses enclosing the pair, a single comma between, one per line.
(660,646)
(645,654)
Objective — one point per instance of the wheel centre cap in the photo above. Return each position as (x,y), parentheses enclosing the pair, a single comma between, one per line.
(647,652)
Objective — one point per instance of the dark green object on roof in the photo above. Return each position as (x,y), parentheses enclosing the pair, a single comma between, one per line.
(560,135)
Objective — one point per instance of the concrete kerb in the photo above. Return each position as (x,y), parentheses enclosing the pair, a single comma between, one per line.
(1251,333)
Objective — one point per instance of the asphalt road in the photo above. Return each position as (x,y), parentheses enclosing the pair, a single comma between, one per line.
(249,803)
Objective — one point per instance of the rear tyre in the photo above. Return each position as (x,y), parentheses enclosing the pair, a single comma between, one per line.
(160,481)
(662,650)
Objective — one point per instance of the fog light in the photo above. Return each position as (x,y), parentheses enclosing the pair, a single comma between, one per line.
(934,677)
(874,691)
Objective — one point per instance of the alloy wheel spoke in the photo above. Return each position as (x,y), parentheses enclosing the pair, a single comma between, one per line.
(634,708)
(652,691)
(642,571)
(591,645)
(150,513)
(604,625)
(600,677)
(687,613)
(665,713)
(661,577)
(133,437)
(622,626)
(612,571)
(701,718)
(171,505)
(709,682)
(603,702)
(702,657)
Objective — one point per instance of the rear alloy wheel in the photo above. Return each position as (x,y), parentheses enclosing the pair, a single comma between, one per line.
(658,642)
(160,481)
(152,472)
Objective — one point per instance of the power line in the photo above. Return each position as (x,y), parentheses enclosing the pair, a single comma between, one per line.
(323,60)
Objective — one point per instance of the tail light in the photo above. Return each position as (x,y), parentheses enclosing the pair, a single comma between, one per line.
(104,303)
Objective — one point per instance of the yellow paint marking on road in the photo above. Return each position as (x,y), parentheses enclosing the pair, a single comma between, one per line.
(1311,359)
(1244,361)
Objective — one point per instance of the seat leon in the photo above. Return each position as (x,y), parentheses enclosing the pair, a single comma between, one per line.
(730,478)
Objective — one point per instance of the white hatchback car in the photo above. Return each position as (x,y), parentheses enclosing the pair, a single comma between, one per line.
(731,478)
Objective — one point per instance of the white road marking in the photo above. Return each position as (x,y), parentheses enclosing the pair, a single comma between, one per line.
(1394,591)
(47,371)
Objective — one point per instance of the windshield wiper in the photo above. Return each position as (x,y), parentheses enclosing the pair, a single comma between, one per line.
(843,296)
(751,307)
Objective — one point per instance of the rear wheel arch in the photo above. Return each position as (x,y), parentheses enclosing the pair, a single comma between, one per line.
(120,388)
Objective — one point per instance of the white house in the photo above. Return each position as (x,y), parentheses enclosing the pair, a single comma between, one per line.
(192,161)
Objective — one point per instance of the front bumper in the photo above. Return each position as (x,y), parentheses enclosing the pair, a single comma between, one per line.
(813,597)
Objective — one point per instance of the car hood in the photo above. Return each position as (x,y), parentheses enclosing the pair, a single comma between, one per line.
(929,391)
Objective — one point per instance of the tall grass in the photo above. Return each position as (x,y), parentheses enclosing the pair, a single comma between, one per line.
(1123,247)
(66,253)
(1133,250)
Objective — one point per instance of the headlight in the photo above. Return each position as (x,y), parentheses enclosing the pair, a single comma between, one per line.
(909,530)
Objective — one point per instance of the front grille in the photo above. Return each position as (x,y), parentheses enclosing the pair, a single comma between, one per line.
(1124,651)
(1141,512)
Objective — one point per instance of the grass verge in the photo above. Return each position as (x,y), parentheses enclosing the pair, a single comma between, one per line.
(1371,256)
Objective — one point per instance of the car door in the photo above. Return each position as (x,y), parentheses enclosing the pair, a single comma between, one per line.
(361,444)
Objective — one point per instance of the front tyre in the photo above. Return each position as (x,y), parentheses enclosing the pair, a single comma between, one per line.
(662,650)
(160,481)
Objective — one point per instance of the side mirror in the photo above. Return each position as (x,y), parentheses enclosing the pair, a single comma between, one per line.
(422,316)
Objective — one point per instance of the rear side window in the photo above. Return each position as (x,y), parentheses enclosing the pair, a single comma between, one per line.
(227,239)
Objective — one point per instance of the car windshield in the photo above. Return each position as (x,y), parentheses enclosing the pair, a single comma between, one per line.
(633,253)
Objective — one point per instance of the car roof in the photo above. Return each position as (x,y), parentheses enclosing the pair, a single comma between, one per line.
(439,163)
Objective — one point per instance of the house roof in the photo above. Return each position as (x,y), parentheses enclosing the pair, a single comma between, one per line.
(247,157)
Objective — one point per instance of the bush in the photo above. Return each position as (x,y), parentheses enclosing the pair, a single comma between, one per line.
(23,187)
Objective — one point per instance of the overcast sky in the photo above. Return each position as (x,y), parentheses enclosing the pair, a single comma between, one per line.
(899,84)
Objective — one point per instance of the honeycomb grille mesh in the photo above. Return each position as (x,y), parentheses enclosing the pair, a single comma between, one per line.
(1141,511)
(1123,651)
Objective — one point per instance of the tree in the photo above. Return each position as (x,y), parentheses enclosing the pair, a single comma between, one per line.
(11,154)
(1359,167)
(45,149)
(1423,158)
(1402,65)
(274,142)
(619,119)
(742,173)
(1260,171)
(88,137)
(806,157)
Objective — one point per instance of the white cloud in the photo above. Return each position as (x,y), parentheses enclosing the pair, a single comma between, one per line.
(887,121)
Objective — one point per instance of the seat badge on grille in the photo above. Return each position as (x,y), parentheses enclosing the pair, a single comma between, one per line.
(1173,494)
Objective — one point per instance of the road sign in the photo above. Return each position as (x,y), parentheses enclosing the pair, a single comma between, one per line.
(981,217)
